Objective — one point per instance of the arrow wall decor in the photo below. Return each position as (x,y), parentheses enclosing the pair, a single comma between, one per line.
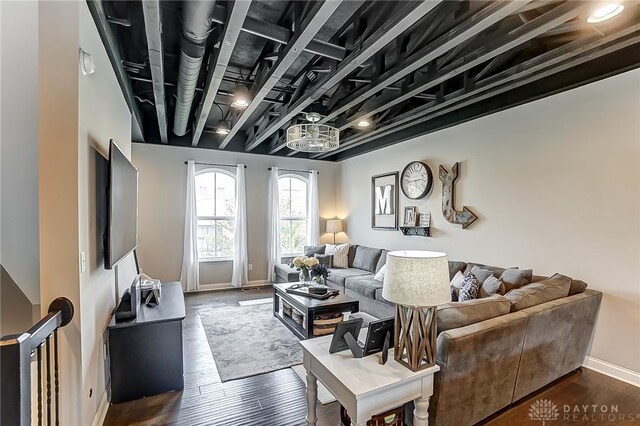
(465,217)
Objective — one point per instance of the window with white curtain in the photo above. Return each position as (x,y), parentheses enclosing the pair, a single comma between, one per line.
(294,214)
(215,206)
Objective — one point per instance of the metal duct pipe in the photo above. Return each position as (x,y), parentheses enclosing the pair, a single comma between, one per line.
(196,21)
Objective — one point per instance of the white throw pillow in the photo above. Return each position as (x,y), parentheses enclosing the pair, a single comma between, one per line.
(330,248)
(341,256)
(380,274)
(457,281)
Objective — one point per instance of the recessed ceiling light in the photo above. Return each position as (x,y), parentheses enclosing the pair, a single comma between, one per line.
(364,123)
(605,12)
(241,97)
(240,103)
(223,128)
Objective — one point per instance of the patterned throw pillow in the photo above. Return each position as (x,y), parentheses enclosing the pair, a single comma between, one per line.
(341,256)
(470,288)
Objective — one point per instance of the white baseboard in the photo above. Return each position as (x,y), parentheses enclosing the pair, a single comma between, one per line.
(228,286)
(101,414)
(612,370)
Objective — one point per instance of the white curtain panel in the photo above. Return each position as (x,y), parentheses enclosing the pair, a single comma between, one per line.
(273,225)
(190,274)
(240,275)
(313,230)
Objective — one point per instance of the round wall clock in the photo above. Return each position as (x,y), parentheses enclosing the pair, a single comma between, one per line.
(416,180)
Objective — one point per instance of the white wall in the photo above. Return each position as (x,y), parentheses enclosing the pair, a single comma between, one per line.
(58,187)
(19,147)
(78,116)
(102,115)
(556,184)
(161,207)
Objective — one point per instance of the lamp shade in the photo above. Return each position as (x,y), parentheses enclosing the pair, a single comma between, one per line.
(417,278)
(334,226)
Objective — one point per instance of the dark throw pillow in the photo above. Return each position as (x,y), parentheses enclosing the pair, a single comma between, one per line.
(309,251)
(470,288)
(454,294)
(325,259)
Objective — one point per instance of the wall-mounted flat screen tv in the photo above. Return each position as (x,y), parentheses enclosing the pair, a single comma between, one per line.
(122,218)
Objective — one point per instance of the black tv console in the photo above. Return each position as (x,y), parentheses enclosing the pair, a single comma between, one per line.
(145,353)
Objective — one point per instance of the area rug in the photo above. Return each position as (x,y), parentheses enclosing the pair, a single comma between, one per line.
(249,340)
(255,301)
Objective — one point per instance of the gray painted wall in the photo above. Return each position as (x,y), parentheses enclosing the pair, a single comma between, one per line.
(77,116)
(161,207)
(102,115)
(19,240)
(556,186)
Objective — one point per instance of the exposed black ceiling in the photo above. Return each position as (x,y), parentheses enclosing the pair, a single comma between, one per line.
(407,67)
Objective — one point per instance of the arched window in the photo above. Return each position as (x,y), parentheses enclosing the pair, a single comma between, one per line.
(293,214)
(215,206)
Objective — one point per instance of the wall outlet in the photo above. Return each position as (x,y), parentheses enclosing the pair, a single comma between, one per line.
(83,262)
(251,267)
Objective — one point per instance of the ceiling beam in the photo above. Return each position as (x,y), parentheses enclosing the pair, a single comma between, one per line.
(312,23)
(282,35)
(466,30)
(495,63)
(153,30)
(490,50)
(408,14)
(113,52)
(220,59)
(555,61)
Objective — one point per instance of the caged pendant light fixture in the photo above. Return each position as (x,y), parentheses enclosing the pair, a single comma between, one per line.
(313,137)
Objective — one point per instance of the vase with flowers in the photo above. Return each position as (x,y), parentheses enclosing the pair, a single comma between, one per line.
(304,265)
(319,274)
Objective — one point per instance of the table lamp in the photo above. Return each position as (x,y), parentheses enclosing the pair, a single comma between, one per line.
(333,227)
(416,281)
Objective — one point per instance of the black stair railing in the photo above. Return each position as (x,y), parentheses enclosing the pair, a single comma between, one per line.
(17,351)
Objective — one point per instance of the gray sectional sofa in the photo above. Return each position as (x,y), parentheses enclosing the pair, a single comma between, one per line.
(491,351)
(356,281)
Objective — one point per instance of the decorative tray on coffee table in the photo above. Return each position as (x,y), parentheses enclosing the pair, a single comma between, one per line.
(313,291)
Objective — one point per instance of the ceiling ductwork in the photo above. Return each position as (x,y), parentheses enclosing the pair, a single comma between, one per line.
(378,72)
(196,21)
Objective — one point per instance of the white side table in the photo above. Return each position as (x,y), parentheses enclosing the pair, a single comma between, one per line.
(364,386)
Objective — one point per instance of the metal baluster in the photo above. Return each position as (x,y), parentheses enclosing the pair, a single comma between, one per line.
(39,355)
(48,348)
(55,375)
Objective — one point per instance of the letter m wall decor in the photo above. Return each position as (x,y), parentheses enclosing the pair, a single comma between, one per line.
(384,201)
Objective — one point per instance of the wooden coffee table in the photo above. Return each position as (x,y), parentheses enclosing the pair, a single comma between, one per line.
(309,308)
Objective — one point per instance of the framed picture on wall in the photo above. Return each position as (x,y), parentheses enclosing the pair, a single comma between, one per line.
(425,220)
(409,216)
(384,201)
